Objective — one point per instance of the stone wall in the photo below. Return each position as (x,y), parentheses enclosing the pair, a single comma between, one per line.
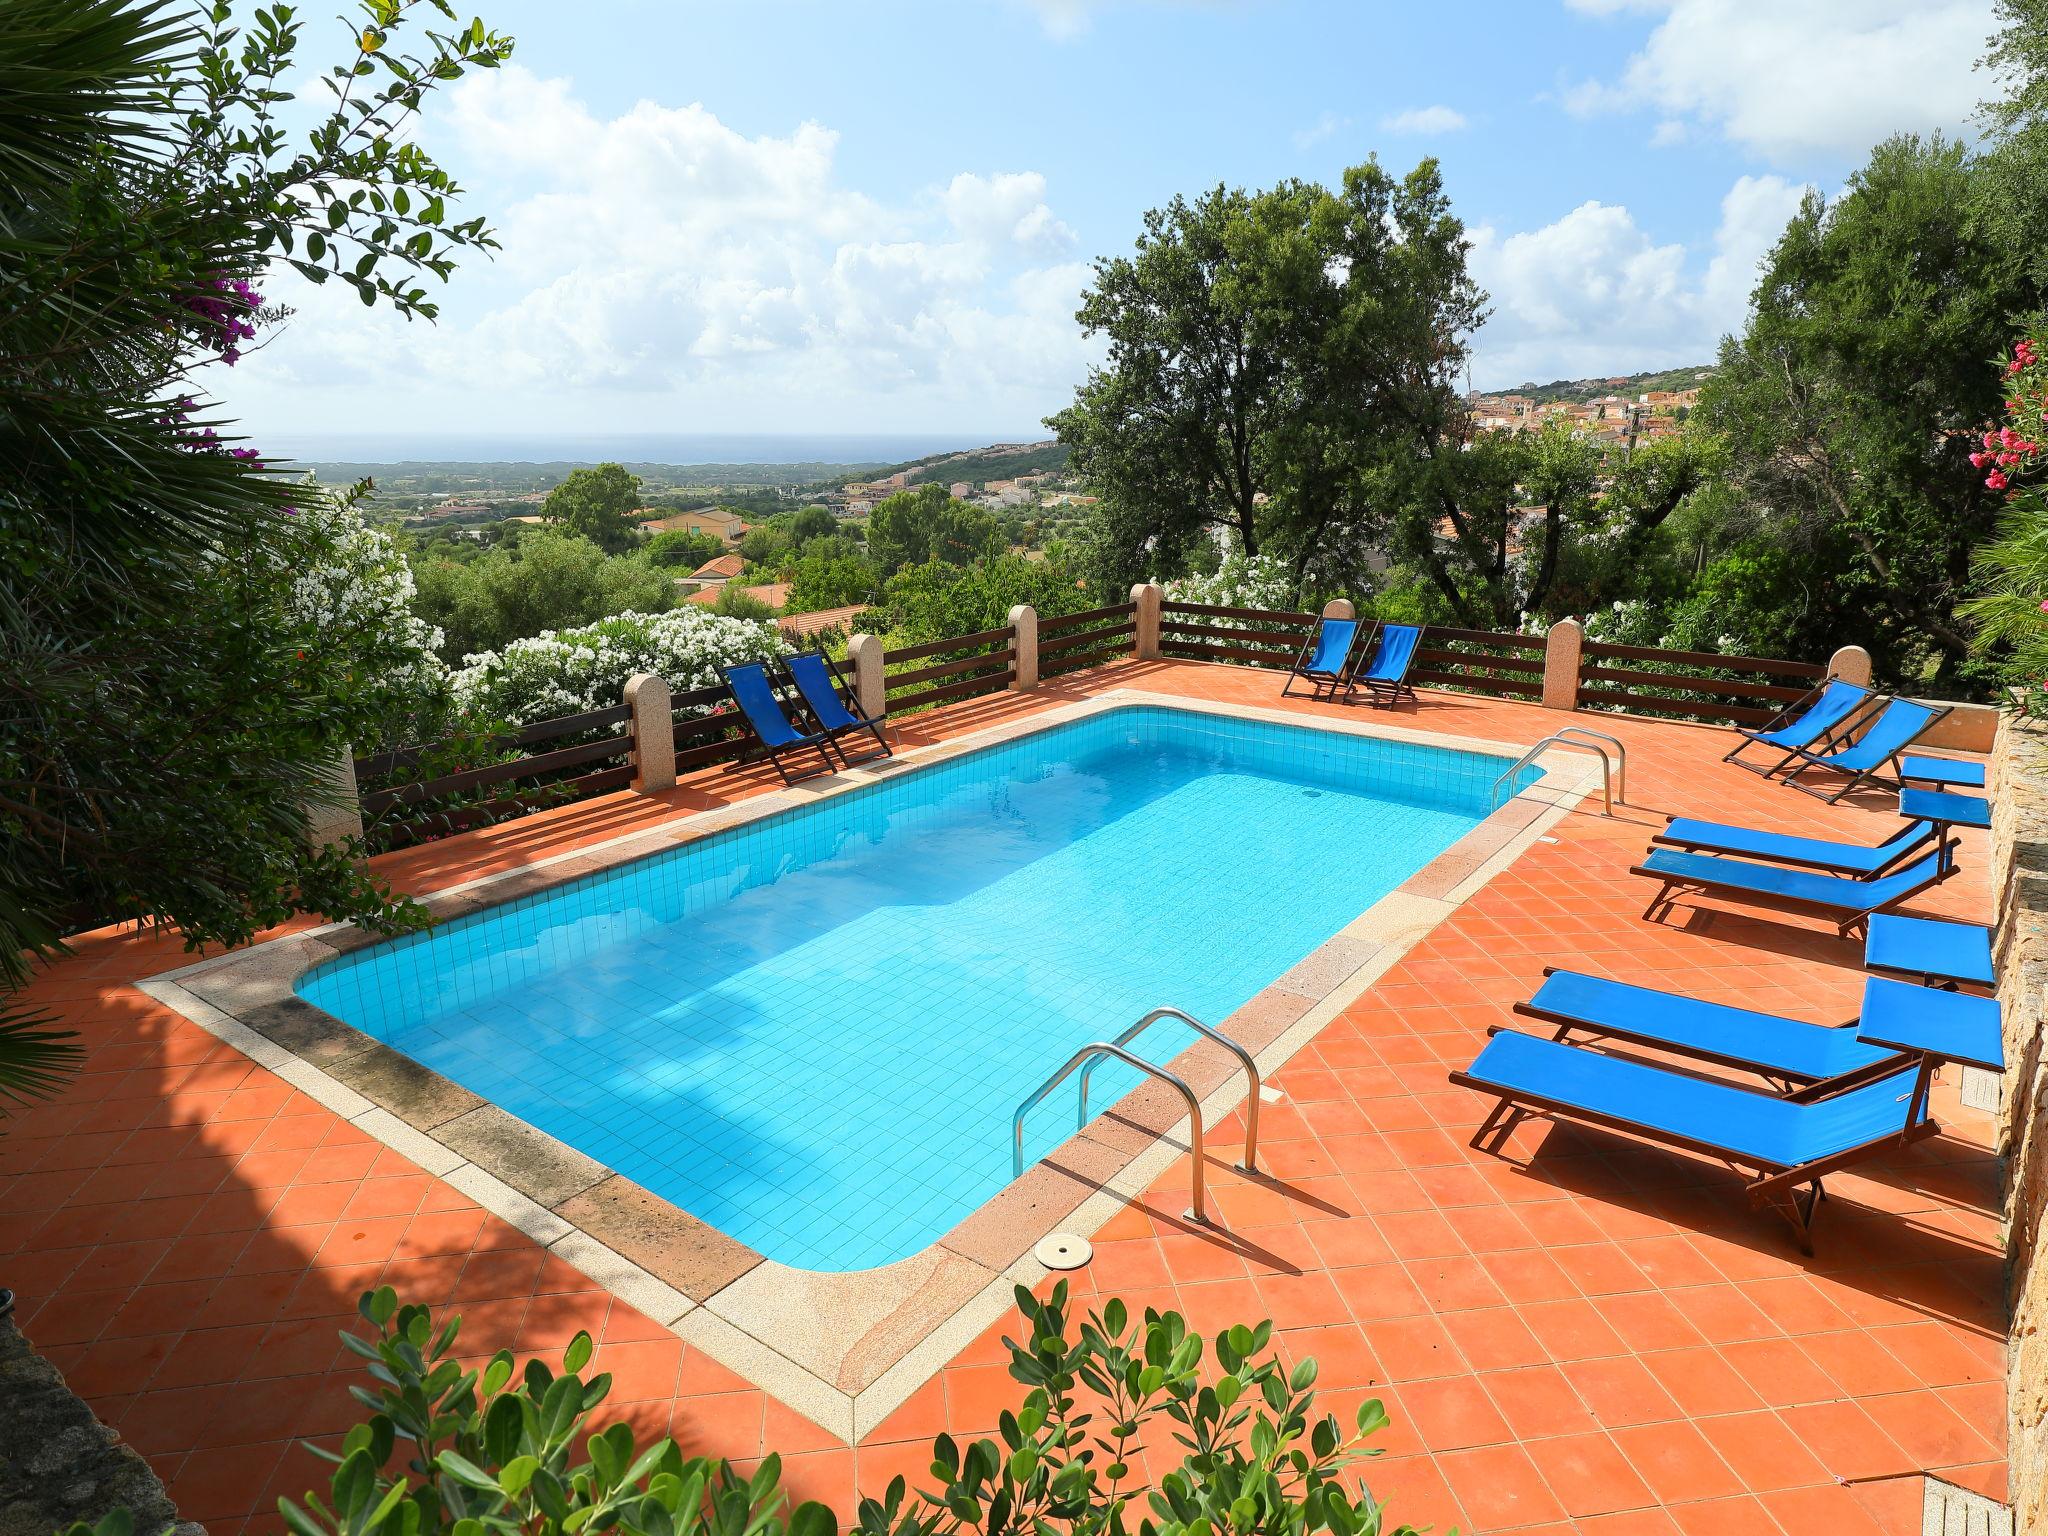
(2019,783)
(57,1462)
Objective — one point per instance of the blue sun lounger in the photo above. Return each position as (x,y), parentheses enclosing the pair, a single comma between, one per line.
(1787,1051)
(1857,861)
(1824,711)
(1789,1142)
(748,683)
(826,696)
(1393,656)
(1878,741)
(1327,660)
(1848,902)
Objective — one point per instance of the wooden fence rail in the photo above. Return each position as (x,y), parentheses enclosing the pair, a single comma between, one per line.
(1074,642)
(416,792)
(1694,685)
(988,665)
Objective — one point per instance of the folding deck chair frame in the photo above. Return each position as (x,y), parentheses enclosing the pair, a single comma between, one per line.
(845,700)
(1326,682)
(774,750)
(1792,713)
(1865,726)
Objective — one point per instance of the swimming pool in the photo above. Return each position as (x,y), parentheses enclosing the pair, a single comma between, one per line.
(812,1030)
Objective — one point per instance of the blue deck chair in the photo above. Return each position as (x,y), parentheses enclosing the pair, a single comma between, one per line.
(1857,861)
(827,697)
(1788,1142)
(1789,1052)
(1848,902)
(1327,660)
(1393,657)
(1823,712)
(1878,740)
(748,683)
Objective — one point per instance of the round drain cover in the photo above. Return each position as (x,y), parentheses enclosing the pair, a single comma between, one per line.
(1063,1250)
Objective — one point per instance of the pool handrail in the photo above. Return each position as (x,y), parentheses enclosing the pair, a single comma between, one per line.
(1196,1209)
(1613,771)
(1244,1057)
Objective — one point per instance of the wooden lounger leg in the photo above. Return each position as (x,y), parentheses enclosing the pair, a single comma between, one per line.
(1498,1126)
(1661,899)
(1794,1194)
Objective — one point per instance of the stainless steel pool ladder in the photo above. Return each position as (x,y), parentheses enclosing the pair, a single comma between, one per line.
(1086,1059)
(1613,771)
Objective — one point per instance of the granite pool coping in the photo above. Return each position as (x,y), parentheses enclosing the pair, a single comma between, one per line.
(844,1349)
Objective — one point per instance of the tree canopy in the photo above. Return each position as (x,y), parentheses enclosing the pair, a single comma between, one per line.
(597,503)
(1854,397)
(912,527)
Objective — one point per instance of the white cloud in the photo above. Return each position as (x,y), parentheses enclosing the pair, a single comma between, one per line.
(1594,294)
(1424,120)
(1325,127)
(1006,210)
(664,271)
(1798,77)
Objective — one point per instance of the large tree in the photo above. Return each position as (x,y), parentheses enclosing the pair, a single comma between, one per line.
(596,502)
(167,705)
(912,527)
(1268,352)
(1854,397)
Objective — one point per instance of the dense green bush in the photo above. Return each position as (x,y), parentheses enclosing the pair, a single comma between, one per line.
(681,550)
(936,599)
(504,1450)
(547,581)
(169,703)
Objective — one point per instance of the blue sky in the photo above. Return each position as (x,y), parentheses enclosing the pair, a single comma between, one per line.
(772,216)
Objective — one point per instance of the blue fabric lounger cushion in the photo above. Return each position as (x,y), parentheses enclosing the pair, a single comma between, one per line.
(1859,859)
(1757,1128)
(1836,703)
(1333,644)
(1943,770)
(1762,1040)
(1896,727)
(1391,659)
(1923,946)
(814,682)
(1796,885)
(750,686)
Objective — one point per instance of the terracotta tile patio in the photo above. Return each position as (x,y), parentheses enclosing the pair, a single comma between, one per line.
(1586,1335)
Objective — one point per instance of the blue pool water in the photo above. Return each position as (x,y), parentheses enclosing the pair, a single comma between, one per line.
(812,1031)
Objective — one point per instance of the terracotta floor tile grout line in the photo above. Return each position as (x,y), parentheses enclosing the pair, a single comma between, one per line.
(1604,1325)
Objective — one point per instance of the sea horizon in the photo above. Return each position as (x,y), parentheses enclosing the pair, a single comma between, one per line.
(679,449)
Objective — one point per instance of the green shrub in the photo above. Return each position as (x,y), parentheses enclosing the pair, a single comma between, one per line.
(503,1450)
(465,1452)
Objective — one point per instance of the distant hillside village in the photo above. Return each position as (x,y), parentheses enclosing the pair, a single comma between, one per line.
(1614,417)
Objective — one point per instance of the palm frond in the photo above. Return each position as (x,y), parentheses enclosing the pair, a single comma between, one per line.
(73,72)
(35,1059)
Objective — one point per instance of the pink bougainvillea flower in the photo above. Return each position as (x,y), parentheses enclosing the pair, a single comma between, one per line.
(1996,480)
(1979,460)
